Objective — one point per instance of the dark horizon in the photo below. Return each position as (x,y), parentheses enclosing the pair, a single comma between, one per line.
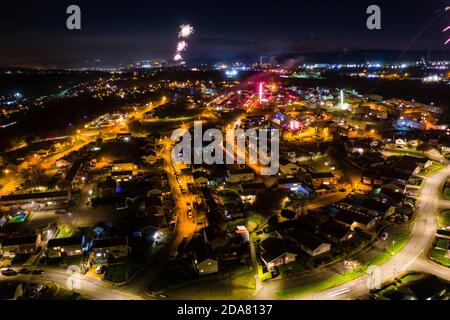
(35,34)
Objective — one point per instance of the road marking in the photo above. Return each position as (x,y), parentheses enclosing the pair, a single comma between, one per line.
(339,292)
(406,266)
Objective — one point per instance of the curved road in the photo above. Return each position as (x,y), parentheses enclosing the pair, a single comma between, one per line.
(412,257)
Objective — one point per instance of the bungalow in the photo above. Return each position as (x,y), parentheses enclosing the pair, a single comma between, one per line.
(107,188)
(200,178)
(309,243)
(320,178)
(250,190)
(106,248)
(120,165)
(122,175)
(205,260)
(20,245)
(237,175)
(378,208)
(71,246)
(274,252)
(334,232)
(355,220)
(287,167)
(150,157)
(294,184)
(36,200)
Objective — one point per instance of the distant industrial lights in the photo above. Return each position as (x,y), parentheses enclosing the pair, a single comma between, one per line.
(432,78)
(231,73)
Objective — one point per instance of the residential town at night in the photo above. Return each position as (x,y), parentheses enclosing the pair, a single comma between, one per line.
(270,178)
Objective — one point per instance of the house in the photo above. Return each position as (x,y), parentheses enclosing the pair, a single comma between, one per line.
(287,167)
(109,248)
(250,190)
(322,178)
(122,175)
(200,178)
(120,165)
(70,176)
(35,200)
(238,175)
(294,184)
(378,208)
(334,232)
(205,260)
(71,246)
(355,220)
(124,137)
(309,243)
(107,188)
(274,252)
(150,157)
(20,245)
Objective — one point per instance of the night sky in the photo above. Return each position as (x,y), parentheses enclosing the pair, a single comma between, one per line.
(33,33)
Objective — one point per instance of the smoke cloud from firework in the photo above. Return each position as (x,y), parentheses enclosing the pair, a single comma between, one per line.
(186,30)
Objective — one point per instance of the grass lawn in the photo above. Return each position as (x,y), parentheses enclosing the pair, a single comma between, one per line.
(64,231)
(434,167)
(322,285)
(239,285)
(117,273)
(263,276)
(290,269)
(439,257)
(444,218)
(400,241)
(405,152)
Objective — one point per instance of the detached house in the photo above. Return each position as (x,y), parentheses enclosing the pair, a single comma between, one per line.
(323,178)
(237,175)
(71,246)
(205,260)
(334,232)
(355,220)
(109,248)
(309,243)
(274,252)
(20,245)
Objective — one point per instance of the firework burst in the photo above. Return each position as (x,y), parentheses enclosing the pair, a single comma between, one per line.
(177,57)
(182,46)
(185,31)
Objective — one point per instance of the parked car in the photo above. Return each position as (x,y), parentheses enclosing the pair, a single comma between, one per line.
(100,269)
(8,272)
(173,255)
(189,213)
(24,271)
(37,271)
